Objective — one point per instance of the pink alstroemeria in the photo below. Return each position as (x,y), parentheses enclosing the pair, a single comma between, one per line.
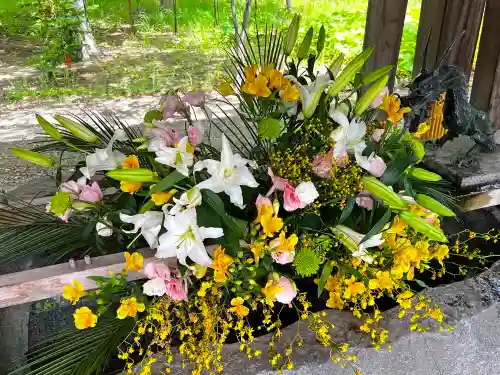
(170,136)
(177,290)
(170,105)
(283,257)
(194,98)
(81,191)
(365,201)
(322,164)
(291,200)
(279,183)
(378,100)
(262,200)
(377,135)
(195,133)
(288,290)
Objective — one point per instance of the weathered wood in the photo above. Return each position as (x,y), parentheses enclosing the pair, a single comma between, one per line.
(384,30)
(485,89)
(46,282)
(445,20)
(480,200)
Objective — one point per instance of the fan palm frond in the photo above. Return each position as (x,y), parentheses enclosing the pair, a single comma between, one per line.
(77,352)
(26,230)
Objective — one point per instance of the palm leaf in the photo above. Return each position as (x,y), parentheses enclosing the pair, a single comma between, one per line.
(27,230)
(77,352)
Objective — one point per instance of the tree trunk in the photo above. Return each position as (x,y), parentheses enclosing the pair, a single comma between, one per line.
(89,45)
(289,4)
(168,4)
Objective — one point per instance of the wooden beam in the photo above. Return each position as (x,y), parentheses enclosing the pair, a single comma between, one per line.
(384,30)
(445,20)
(46,282)
(486,86)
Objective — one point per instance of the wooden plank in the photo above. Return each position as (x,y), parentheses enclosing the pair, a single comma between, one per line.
(480,200)
(445,20)
(485,89)
(46,282)
(384,30)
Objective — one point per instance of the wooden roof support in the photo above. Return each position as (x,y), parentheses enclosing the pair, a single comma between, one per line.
(445,20)
(486,86)
(384,30)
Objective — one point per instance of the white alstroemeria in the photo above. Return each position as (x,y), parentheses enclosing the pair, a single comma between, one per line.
(227,175)
(179,157)
(188,199)
(352,240)
(104,159)
(103,228)
(373,163)
(348,136)
(307,193)
(184,238)
(155,287)
(149,223)
(310,94)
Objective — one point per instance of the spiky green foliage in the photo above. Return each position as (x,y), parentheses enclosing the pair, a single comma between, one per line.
(77,352)
(306,262)
(27,230)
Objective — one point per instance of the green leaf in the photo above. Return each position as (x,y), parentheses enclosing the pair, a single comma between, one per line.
(378,225)
(168,182)
(325,273)
(321,39)
(346,212)
(154,114)
(146,207)
(269,128)
(421,283)
(237,226)
(396,169)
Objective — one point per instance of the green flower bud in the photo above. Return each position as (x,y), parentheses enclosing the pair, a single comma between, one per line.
(303,51)
(77,129)
(37,158)
(49,128)
(133,175)
(291,36)
(321,39)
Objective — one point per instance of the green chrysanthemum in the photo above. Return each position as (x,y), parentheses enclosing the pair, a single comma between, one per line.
(306,262)
(60,203)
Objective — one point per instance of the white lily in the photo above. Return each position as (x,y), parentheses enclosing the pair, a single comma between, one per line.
(352,240)
(179,157)
(184,238)
(104,228)
(348,136)
(149,223)
(188,199)
(104,159)
(373,163)
(228,175)
(310,94)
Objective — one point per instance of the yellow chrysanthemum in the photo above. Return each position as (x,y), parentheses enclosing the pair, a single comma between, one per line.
(129,308)
(73,292)
(392,106)
(133,262)
(221,263)
(84,318)
(160,199)
(238,307)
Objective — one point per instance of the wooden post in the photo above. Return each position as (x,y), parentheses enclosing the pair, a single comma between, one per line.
(445,21)
(486,86)
(384,29)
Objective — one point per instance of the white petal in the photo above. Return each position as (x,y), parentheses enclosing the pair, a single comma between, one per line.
(210,232)
(307,193)
(137,220)
(199,255)
(235,195)
(167,247)
(155,287)
(212,166)
(356,130)
(373,241)
(226,157)
(214,184)
(157,144)
(340,118)
(243,176)
(151,235)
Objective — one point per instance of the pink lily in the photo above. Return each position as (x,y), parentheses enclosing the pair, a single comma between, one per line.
(195,133)
(194,98)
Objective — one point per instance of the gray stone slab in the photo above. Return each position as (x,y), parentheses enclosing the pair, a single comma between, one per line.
(485,176)
(472,306)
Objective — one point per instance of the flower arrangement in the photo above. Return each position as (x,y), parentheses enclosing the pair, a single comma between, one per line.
(317,180)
